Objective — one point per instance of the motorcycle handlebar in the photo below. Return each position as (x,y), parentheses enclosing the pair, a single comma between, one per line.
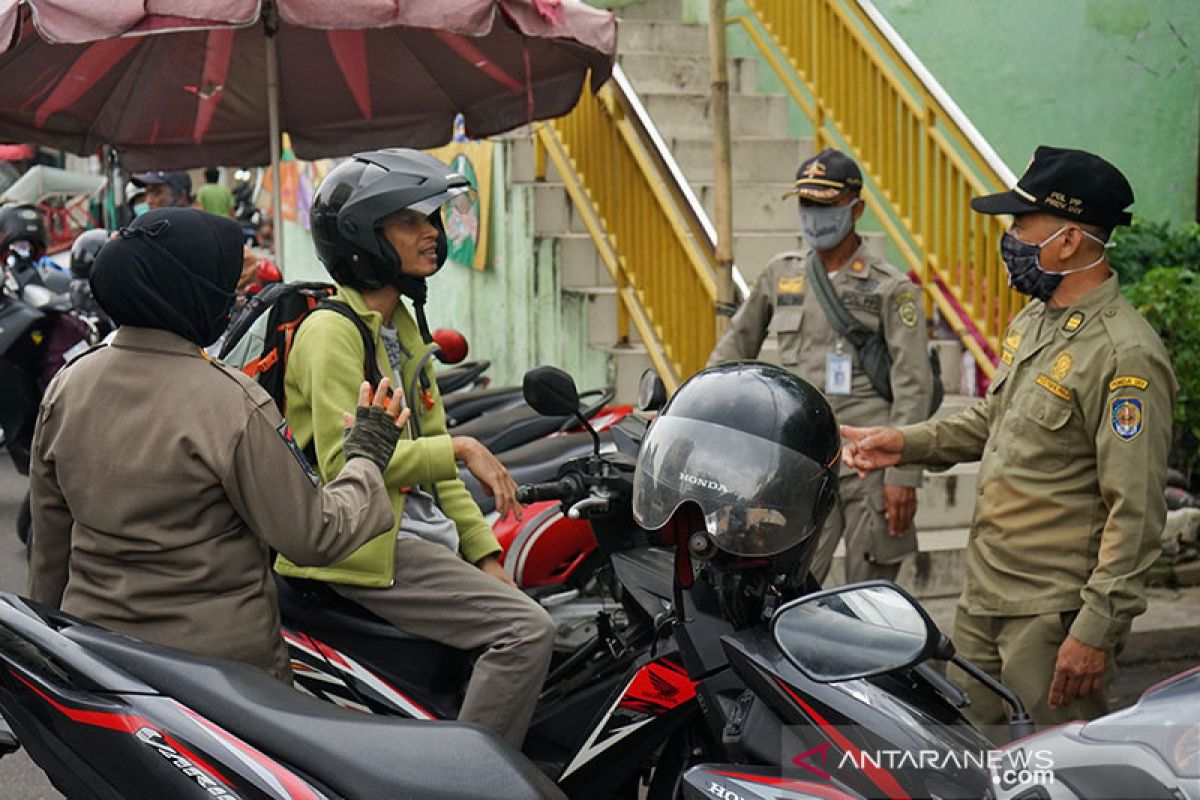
(561,489)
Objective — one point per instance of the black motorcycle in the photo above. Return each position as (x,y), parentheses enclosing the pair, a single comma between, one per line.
(694,670)
(38,334)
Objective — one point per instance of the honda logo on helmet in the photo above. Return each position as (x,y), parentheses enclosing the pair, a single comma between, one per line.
(705,483)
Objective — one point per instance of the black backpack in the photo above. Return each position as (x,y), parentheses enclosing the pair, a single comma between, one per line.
(259,340)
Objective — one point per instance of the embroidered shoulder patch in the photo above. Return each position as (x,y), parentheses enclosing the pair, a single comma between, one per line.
(1124,381)
(1128,418)
(285,433)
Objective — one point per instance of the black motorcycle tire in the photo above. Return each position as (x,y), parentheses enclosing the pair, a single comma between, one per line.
(25,522)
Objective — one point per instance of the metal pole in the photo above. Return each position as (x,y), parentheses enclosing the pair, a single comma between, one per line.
(723,166)
(276,134)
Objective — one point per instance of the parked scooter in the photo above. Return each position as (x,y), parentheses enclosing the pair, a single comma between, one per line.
(110,717)
(38,333)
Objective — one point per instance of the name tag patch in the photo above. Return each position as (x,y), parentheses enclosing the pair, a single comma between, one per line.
(1128,418)
(1052,386)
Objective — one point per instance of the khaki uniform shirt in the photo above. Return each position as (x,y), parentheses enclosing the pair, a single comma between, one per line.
(1073,435)
(878,295)
(159,481)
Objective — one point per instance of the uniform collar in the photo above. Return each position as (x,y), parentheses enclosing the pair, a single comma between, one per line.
(129,337)
(859,263)
(1076,317)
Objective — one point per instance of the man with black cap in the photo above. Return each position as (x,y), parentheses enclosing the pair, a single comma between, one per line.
(165,189)
(800,297)
(1073,438)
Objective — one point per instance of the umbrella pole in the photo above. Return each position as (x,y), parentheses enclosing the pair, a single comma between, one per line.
(273,122)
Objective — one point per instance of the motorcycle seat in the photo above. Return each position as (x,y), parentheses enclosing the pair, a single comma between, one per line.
(503,430)
(467,406)
(354,754)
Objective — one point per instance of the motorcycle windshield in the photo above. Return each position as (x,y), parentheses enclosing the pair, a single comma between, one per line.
(758,497)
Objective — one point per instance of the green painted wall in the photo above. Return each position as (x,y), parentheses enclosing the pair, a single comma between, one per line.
(1120,78)
(514,313)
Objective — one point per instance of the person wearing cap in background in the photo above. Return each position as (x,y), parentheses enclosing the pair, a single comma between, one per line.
(165,189)
(1073,437)
(873,514)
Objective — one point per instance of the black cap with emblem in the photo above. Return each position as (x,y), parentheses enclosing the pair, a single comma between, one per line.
(826,177)
(1070,184)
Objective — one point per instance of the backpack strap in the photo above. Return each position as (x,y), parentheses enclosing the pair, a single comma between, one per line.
(370,367)
(839,318)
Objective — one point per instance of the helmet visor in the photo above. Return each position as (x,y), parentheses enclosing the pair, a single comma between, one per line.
(457,198)
(758,497)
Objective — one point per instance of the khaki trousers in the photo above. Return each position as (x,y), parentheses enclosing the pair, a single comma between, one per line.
(438,596)
(858,517)
(1021,653)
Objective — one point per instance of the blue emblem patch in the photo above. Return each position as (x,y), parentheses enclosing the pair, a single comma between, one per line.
(1128,417)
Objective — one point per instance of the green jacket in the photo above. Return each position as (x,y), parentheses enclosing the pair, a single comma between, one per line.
(324,372)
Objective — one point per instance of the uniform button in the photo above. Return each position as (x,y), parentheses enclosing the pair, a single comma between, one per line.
(1041,414)
(1110,312)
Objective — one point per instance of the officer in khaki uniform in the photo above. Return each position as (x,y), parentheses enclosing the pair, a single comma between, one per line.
(874,514)
(1073,438)
(161,480)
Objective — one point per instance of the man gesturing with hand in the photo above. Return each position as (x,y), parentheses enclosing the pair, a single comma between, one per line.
(1072,439)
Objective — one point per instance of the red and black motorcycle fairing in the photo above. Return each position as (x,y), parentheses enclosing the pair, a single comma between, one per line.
(109,716)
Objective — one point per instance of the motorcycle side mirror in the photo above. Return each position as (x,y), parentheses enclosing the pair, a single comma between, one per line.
(855,631)
(652,392)
(552,393)
(452,345)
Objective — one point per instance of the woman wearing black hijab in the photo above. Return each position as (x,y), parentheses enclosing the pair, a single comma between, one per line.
(161,479)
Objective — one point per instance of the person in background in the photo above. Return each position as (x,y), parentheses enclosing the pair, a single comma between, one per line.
(214,196)
(874,515)
(165,189)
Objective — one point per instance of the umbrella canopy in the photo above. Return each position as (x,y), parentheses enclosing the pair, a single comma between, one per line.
(188,84)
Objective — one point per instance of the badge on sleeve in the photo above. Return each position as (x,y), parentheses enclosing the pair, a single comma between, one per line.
(285,433)
(906,305)
(1128,417)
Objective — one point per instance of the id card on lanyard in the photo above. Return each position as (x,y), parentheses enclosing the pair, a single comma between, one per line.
(838,371)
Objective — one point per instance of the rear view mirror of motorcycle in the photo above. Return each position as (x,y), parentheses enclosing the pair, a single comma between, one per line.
(552,393)
(855,631)
(652,392)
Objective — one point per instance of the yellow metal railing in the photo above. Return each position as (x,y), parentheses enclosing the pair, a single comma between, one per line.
(862,93)
(648,234)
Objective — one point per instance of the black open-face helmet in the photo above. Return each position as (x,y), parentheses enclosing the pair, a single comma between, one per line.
(353,200)
(84,250)
(754,447)
(23,223)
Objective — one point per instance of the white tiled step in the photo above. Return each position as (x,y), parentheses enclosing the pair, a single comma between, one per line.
(755,158)
(678,114)
(675,72)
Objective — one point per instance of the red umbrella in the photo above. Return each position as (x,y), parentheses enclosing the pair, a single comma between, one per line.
(190,83)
